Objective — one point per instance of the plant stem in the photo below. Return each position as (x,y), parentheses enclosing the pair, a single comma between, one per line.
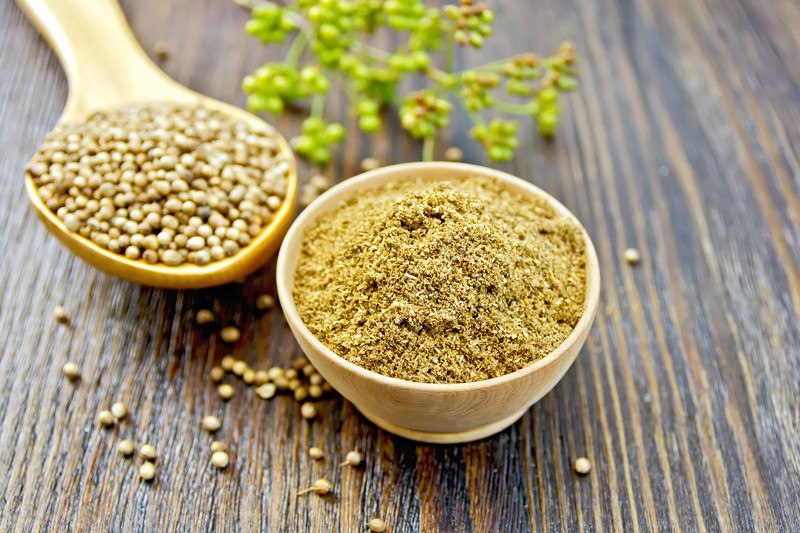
(296,49)
(508,107)
(427,148)
(317,105)
(450,58)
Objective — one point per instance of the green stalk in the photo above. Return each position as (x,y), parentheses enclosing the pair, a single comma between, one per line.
(427,148)
(508,107)
(450,58)
(317,105)
(296,49)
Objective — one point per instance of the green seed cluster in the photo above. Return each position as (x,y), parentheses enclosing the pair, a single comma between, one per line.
(404,15)
(423,113)
(473,22)
(499,138)
(332,24)
(316,139)
(162,184)
(476,89)
(269,23)
(273,85)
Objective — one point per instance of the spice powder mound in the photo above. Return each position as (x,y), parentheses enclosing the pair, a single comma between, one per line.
(451,281)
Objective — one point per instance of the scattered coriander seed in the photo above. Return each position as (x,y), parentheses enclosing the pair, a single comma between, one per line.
(147,452)
(315,391)
(632,256)
(454,153)
(220,459)
(300,394)
(227,363)
(218,446)
(119,410)
(261,377)
(61,314)
(293,384)
(161,50)
(320,182)
(326,387)
(316,453)
(369,163)
(353,458)
(204,316)
(265,301)
(105,418)
(321,486)
(290,373)
(275,372)
(240,367)
(225,391)
(126,447)
(308,410)
(147,471)
(249,376)
(230,334)
(309,370)
(315,379)
(70,371)
(281,382)
(582,466)
(266,391)
(300,362)
(217,374)
(211,423)
(377,525)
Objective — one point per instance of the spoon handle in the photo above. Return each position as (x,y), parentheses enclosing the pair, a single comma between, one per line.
(105,65)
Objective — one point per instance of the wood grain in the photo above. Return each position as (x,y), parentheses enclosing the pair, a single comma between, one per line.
(681,142)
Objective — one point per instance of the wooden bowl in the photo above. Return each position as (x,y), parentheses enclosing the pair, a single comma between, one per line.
(436,413)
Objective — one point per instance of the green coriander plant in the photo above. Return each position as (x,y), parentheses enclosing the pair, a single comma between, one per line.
(329,40)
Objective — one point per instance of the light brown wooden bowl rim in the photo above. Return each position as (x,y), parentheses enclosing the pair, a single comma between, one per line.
(186,276)
(408,170)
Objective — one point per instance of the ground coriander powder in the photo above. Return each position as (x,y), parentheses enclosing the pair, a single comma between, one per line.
(451,281)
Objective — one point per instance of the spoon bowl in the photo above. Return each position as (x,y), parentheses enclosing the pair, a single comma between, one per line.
(436,413)
(107,69)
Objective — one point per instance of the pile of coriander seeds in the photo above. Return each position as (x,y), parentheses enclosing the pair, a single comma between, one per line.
(164,184)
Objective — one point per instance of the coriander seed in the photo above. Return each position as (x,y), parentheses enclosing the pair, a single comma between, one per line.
(293,384)
(309,370)
(369,163)
(281,382)
(261,377)
(249,376)
(300,394)
(217,374)
(147,452)
(70,371)
(290,373)
(105,418)
(220,459)
(632,256)
(377,525)
(316,453)
(300,362)
(315,379)
(60,314)
(119,410)
(308,411)
(240,367)
(147,471)
(321,486)
(275,372)
(266,391)
(218,446)
(230,334)
(126,447)
(211,423)
(227,363)
(315,391)
(454,153)
(582,466)
(265,301)
(204,316)
(161,50)
(225,391)
(353,458)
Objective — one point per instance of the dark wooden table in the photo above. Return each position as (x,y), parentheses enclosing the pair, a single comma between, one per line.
(683,142)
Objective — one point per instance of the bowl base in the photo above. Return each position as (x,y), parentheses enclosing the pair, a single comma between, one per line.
(435,437)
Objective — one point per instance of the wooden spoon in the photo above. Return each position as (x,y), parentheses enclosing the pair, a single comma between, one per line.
(106,69)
